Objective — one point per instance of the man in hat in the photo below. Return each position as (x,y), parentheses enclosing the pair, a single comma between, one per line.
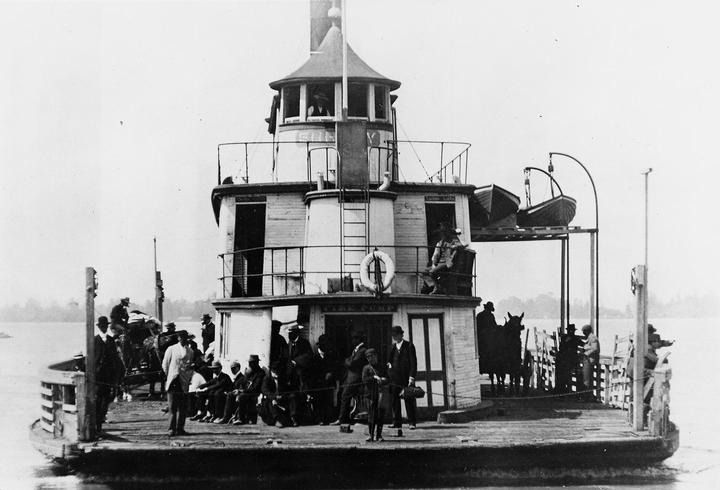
(278,346)
(247,398)
(327,379)
(442,258)
(484,327)
(567,360)
(212,393)
(402,367)
(177,366)
(119,315)
(352,383)
(663,343)
(375,379)
(208,331)
(276,401)
(226,402)
(107,371)
(319,106)
(591,359)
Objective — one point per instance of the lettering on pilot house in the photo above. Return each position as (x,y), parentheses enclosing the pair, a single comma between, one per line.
(440,197)
(364,308)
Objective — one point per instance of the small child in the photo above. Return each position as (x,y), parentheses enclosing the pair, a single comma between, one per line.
(375,379)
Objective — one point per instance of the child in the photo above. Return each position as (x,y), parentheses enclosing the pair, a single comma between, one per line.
(375,379)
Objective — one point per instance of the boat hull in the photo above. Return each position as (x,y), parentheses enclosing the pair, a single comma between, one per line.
(558,211)
(491,204)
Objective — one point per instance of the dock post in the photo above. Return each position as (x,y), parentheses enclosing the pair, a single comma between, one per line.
(640,347)
(88,424)
(593,289)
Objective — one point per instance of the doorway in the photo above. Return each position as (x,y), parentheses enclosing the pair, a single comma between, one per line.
(339,329)
(426,333)
(250,237)
(436,213)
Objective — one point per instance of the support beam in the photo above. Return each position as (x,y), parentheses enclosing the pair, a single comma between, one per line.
(563,298)
(89,421)
(640,347)
(593,289)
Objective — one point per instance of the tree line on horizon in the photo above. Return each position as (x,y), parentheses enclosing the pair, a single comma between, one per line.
(545,305)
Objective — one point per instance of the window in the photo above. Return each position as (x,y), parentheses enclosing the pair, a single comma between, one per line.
(321,100)
(357,100)
(291,102)
(380,102)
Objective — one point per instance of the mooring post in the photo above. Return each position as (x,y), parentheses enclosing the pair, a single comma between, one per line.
(89,425)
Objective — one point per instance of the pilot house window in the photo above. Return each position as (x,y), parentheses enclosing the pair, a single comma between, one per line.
(320,100)
(380,103)
(291,102)
(357,100)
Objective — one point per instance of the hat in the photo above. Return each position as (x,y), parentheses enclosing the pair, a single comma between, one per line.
(206,316)
(103,320)
(571,326)
(370,352)
(321,96)
(254,358)
(397,330)
(295,328)
(277,323)
(490,306)
(651,328)
(170,325)
(125,299)
(216,365)
(653,337)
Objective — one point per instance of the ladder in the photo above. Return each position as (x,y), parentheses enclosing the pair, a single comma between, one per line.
(354,229)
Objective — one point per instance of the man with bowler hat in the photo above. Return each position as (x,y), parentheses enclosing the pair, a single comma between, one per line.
(402,367)
(208,331)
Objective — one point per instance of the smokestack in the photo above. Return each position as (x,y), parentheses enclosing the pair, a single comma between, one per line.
(320,23)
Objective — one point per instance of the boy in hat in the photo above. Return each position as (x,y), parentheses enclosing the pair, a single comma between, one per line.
(375,379)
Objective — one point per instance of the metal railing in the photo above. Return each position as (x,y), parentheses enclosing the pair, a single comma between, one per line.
(308,270)
(280,161)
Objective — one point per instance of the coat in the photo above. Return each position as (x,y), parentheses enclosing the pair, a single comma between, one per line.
(177,363)
(403,363)
(354,364)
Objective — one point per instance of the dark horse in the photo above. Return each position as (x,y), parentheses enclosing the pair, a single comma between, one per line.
(500,351)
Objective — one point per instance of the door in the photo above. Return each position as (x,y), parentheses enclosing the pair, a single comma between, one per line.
(249,234)
(339,329)
(426,333)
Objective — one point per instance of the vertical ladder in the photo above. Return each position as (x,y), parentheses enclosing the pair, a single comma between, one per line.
(355,229)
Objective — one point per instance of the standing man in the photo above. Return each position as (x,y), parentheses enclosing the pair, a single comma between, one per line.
(591,358)
(567,360)
(208,331)
(485,325)
(300,356)
(107,362)
(119,315)
(177,366)
(402,367)
(326,380)
(354,364)
(278,346)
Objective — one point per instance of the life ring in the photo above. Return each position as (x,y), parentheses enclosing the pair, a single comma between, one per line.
(389,271)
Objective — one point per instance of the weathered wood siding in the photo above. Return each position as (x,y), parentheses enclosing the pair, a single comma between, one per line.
(461,357)
(410,231)
(285,216)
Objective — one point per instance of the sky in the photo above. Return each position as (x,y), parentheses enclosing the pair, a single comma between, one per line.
(111,112)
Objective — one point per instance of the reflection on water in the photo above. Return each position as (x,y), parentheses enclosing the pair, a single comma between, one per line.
(695,465)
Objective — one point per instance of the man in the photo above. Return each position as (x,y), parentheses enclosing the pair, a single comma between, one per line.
(119,315)
(485,324)
(246,412)
(352,383)
(227,405)
(107,363)
(402,366)
(212,393)
(177,366)
(320,107)
(278,346)
(442,258)
(326,368)
(208,331)
(567,360)
(167,338)
(591,358)
(275,403)
(663,343)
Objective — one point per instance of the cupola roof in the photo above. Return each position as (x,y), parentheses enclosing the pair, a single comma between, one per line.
(326,64)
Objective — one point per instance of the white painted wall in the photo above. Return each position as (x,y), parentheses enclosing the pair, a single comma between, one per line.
(226,243)
(246,332)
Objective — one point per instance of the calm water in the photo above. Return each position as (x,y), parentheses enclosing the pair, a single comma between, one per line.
(695,398)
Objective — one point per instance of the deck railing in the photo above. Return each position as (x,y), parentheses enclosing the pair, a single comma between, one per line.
(292,161)
(62,395)
(328,269)
(612,383)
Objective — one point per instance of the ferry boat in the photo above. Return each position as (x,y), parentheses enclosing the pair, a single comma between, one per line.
(326,233)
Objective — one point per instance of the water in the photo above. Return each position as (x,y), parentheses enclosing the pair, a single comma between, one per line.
(693,408)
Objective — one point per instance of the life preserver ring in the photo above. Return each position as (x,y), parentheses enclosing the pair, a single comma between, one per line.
(389,271)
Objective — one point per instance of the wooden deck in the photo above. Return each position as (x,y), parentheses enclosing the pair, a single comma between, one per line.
(515,434)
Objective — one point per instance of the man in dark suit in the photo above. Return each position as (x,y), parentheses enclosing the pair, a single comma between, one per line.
(107,370)
(207,331)
(300,355)
(402,366)
(352,384)
(213,393)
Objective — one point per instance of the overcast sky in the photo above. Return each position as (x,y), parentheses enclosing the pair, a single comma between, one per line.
(111,113)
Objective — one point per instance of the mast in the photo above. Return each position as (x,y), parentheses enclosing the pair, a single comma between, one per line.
(344,62)
(159,293)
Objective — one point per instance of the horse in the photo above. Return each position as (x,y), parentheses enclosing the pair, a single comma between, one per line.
(513,350)
(140,355)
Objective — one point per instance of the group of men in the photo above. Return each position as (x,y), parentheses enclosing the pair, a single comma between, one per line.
(571,350)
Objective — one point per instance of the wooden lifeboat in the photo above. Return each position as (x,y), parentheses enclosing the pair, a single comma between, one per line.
(491,204)
(558,211)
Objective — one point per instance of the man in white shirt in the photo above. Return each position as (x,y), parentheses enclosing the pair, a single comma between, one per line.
(178,373)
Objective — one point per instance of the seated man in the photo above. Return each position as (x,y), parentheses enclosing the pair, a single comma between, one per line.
(225,402)
(442,258)
(275,406)
(247,398)
(208,393)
